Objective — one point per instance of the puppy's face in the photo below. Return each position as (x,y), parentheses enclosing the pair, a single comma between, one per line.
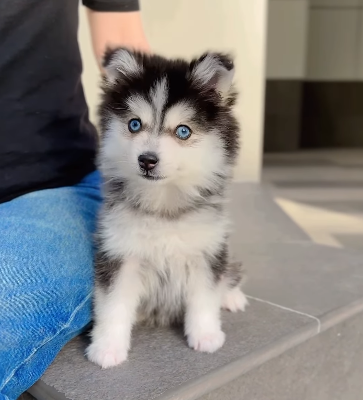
(167,121)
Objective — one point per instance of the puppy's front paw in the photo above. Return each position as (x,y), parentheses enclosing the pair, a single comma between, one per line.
(207,341)
(107,355)
(234,300)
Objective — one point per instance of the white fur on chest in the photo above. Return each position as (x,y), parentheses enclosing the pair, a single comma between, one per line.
(159,240)
(170,253)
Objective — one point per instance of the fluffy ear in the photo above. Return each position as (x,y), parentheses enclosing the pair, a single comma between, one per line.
(120,63)
(213,70)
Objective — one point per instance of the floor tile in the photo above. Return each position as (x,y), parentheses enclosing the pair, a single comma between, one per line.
(259,218)
(162,356)
(306,277)
(351,241)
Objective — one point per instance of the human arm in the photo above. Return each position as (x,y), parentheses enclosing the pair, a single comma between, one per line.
(115,23)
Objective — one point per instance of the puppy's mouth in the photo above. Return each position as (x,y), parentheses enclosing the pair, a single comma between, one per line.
(152,177)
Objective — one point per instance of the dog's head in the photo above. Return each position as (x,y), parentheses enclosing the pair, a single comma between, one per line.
(167,121)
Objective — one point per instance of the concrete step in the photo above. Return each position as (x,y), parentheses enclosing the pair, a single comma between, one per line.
(328,366)
(305,315)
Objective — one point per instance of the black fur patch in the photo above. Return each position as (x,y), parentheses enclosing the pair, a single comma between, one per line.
(219,262)
(223,58)
(195,205)
(213,112)
(161,313)
(106,268)
(217,189)
(115,193)
(235,274)
(115,190)
(222,268)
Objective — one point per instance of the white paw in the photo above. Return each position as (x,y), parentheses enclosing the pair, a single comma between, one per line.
(107,355)
(234,300)
(207,342)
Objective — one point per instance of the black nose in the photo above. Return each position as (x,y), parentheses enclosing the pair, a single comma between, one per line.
(147,161)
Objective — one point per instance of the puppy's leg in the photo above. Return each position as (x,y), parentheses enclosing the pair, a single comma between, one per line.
(202,319)
(115,314)
(233,299)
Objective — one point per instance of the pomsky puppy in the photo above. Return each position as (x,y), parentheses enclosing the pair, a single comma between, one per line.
(169,144)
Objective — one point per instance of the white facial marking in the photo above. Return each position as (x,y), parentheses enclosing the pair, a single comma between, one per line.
(159,96)
(179,114)
(141,108)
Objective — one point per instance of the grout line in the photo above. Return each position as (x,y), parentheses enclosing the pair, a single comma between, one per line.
(287,309)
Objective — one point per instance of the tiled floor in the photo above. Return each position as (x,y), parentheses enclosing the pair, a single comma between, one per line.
(322,191)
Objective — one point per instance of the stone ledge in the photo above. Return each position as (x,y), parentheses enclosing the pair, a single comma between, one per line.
(300,289)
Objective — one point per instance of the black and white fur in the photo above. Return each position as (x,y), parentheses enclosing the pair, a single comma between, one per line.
(162,237)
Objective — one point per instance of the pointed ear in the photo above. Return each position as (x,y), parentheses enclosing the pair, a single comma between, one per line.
(213,70)
(120,63)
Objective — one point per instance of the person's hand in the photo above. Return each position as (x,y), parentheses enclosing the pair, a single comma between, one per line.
(114,29)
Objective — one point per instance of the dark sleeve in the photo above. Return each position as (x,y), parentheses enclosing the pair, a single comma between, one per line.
(112,5)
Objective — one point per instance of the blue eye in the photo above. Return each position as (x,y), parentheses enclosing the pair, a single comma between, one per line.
(134,125)
(183,132)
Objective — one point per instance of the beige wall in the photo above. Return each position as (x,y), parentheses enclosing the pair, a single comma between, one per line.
(315,40)
(188,27)
(90,76)
(335,40)
(287,36)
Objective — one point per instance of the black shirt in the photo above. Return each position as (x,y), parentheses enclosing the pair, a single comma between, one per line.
(46,138)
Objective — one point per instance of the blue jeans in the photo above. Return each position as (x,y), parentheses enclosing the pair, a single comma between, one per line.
(46,278)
